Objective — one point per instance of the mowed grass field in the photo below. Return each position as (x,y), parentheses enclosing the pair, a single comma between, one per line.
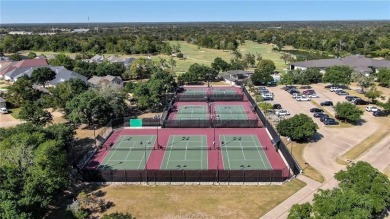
(203,55)
(198,201)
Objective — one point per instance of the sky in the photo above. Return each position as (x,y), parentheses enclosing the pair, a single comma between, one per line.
(72,11)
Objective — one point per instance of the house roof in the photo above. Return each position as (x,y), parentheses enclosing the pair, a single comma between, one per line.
(97,80)
(27,63)
(357,62)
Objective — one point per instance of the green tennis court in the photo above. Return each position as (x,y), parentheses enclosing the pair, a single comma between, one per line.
(194,91)
(186,152)
(243,152)
(229,112)
(129,152)
(224,91)
(190,112)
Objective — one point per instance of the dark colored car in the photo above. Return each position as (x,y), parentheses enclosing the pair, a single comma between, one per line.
(316,110)
(350,98)
(267,98)
(308,92)
(289,87)
(329,86)
(323,119)
(294,91)
(276,106)
(326,103)
(331,122)
(380,113)
(319,115)
(360,102)
(342,93)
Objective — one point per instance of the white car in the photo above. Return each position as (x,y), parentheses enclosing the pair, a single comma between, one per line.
(334,89)
(282,112)
(303,98)
(372,109)
(3,110)
(313,96)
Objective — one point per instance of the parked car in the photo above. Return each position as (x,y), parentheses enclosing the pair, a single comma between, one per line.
(320,114)
(265,98)
(267,95)
(324,118)
(359,101)
(303,98)
(289,87)
(262,88)
(307,92)
(295,95)
(331,122)
(282,113)
(313,95)
(294,91)
(350,98)
(371,109)
(3,110)
(380,113)
(329,86)
(342,93)
(334,89)
(276,106)
(326,103)
(316,110)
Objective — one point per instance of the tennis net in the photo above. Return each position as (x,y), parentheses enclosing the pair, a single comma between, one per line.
(135,148)
(244,148)
(187,148)
(227,111)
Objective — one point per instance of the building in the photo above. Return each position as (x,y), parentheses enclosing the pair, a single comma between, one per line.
(112,59)
(80,30)
(62,74)
(358,63)
(109,80)
(235,77)
(19,33)
(7,67)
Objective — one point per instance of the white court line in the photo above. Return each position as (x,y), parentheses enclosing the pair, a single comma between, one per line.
(227,153)
(169,155)
(242,150)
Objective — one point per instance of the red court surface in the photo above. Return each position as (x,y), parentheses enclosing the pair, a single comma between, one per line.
(156,157)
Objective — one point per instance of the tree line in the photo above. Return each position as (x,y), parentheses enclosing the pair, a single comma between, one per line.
(339,39)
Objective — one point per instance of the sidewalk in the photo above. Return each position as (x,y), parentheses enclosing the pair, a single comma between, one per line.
(284,207)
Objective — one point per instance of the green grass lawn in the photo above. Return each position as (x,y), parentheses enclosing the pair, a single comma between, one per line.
(15,112)
(203,55)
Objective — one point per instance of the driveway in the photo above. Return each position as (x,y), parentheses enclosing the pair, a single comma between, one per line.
(334,142)
(6,120)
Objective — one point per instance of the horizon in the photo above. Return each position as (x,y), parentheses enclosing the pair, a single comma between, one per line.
(56,12)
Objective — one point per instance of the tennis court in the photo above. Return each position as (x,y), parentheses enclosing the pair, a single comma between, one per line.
(129,152)
(190,112)
(243,152)
(225,112)
(186,152)
(223,91)
(195,91)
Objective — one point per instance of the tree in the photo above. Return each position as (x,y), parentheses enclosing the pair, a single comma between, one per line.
(42,75)
(180,55)
(348,111)
(373,93)
(172,63)
(32,55)
(260,77)
(66,91)
(34,113)
(266,65)
(287,78)
(118,215)
(220,65)
(129,87)
(383,77)
(302,211)
(313,75)
(250,59)
(285,57)
(362,192)
(338,75)
(139,69)
(299,127)
(22,91)
(15,57)
(362,80)
(62,60)
(88,108)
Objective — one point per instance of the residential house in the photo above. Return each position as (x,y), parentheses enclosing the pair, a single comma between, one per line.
(62,74)
(235,77)
(125,61)
(358,63)
(6,68)
(109,80)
